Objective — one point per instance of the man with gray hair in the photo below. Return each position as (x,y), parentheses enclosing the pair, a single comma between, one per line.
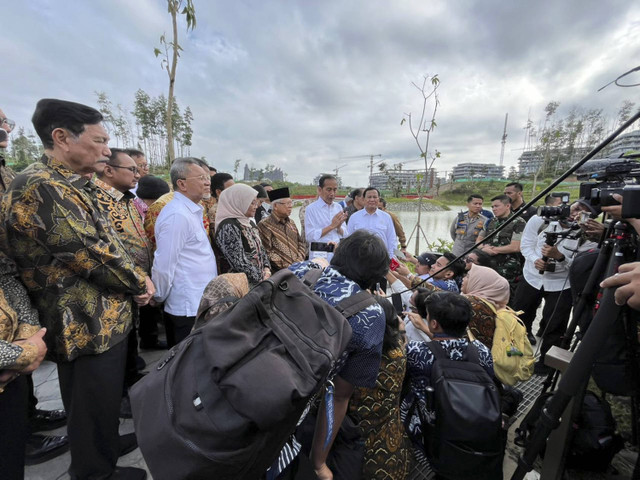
(184,262)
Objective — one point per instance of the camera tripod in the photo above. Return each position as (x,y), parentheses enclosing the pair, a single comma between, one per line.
(615,251)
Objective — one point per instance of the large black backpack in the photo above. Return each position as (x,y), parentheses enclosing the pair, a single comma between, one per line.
(466,440)
(224,401)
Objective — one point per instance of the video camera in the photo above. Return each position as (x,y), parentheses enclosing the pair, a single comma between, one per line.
(619,175)
(559,212)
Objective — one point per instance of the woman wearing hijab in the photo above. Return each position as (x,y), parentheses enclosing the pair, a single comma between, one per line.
(481,285)
(237,238)
(222,292)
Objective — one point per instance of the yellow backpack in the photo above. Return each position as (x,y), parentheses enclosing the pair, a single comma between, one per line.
(512,353)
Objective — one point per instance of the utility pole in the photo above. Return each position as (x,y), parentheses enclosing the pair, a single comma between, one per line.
(504,138)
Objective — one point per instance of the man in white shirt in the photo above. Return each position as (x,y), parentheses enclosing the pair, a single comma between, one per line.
(323,219)
(184,262)
(374,220)
(554,286)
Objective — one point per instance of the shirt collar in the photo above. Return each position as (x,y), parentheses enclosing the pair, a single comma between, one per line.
(116,194)
(75,179)
(190,204)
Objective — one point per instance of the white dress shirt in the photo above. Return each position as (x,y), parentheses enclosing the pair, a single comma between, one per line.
(531,247)
(378,223)
(184,262)
(317,216)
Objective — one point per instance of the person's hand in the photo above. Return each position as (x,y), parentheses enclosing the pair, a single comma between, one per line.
(322,261)
(144,298)
(37,340)
(403,270)
(266,273)
(418,322)
(540,265)
(153,302)
(628,282)
(490,250)
(410,257)
(338,219)
(323,472)
(615,211)
(551,251)
(592,228)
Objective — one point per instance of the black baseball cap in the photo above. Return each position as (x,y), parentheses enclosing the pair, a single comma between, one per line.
(427,258)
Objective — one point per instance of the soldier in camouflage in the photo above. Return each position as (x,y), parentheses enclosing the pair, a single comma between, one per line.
(505,247)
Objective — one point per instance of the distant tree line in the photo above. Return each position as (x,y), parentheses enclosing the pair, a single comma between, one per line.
(143,126)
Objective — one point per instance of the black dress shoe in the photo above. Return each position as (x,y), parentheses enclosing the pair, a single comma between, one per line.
(532,339)
(128,443)
(157,345)
(44,420)
(41,448)
(128,473)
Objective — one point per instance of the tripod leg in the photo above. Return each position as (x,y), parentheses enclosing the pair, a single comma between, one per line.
(577,372)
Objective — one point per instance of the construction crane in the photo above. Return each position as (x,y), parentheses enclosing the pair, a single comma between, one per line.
(337,169)
(371,163)
(504,138)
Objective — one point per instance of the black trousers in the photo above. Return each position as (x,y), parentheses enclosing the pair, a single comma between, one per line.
(555,314)
(14,429)
(150,316)
(91,388)
(177,327)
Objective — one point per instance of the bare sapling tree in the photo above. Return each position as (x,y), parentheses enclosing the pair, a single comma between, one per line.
(421,132)
(170,59)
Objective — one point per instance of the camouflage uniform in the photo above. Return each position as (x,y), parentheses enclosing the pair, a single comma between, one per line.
(509,265)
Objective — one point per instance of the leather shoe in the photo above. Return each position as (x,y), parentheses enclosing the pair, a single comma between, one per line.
(157,345)
(128,443)
(41,448)
(44,420)
(532,339)
(128,473)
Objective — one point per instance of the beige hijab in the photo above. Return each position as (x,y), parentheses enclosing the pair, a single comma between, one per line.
(219,295)
(234,203)
(488,284)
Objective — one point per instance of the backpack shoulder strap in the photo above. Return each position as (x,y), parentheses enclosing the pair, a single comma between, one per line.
(353,304)
(311,277)
(437,349)
(471,355)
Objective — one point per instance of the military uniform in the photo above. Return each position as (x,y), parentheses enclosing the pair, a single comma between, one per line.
(509,265)
(465,230)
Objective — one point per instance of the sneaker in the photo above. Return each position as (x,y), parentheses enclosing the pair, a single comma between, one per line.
(532,339)
(128,473)
(541,369)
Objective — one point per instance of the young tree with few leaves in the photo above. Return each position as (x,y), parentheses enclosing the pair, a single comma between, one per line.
(421,133)
(172,49)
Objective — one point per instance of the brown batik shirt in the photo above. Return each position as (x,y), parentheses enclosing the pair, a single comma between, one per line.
(126,221)
(78,273)
(281,240)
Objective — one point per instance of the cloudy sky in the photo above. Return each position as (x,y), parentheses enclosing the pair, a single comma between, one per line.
(302,84)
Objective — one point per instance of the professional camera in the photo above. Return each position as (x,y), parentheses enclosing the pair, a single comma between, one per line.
(557,213)
(619,175)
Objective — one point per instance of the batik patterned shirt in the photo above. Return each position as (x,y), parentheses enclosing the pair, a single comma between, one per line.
(127,222)
(281,240)
(78,273)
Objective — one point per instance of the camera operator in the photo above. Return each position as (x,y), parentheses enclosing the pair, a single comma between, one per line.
(553,258)
(628,277)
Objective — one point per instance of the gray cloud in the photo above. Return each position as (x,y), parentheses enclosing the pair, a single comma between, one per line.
(301,84)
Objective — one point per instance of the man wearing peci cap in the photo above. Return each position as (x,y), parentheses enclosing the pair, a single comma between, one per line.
(279,235)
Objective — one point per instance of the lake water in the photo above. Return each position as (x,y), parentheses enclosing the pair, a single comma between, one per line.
(434,224)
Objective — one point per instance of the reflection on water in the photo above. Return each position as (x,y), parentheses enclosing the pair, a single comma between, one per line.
(434,224)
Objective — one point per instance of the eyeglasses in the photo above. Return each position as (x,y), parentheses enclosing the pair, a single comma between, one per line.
(144,166)
(10,123)
(202,178)
(469,260)
(133,170)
